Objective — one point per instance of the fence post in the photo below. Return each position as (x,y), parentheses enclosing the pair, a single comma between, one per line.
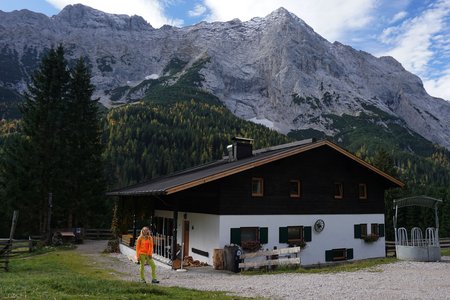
(30,244)
(13,225)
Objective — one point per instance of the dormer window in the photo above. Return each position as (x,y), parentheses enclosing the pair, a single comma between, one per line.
(257,187)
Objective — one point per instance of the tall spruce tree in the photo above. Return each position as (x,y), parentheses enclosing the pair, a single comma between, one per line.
(42,123)
(83,149)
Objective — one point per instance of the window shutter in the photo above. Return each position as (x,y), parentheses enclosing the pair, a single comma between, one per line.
(328,255)
(235,236)
(307,233)
(381,230)
(263,235)
(357,231)
(350,253)
(283,235)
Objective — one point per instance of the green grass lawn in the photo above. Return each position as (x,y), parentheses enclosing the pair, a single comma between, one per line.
(68,275)
(445,252)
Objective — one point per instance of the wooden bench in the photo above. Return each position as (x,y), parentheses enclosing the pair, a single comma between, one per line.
(127,240)
(272,258)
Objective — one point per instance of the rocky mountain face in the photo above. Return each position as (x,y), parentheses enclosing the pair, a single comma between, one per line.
(274,70)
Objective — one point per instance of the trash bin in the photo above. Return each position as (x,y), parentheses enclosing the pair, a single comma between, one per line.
(231,258)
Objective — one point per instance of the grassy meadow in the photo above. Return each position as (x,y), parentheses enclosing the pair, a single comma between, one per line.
(65,274)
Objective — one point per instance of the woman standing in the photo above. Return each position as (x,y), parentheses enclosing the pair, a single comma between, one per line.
(144,252)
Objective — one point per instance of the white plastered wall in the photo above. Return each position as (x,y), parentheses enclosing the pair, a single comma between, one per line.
(338,233)
(203,232)
(208,232)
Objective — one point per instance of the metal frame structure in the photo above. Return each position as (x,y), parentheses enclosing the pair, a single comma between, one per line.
(417,248)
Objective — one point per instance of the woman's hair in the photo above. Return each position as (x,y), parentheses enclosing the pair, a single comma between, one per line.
(144,229)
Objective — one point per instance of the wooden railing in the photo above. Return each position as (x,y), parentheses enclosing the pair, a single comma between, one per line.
(162,246)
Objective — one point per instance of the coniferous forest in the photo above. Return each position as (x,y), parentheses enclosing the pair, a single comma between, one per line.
(63,145)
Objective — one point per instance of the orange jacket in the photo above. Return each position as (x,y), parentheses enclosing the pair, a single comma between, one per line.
(144,246)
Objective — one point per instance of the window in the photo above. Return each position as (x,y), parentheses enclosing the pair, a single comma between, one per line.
(295,235)
(249,237)
(360,231)
(374,229)
(363,230)
(362,191)
(249,234)
(257,187)
(294,188)
(338,190)
(339,254)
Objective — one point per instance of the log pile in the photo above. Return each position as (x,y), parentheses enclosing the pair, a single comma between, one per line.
(190,262)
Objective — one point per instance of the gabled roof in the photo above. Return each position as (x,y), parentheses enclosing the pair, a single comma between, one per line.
(192,177)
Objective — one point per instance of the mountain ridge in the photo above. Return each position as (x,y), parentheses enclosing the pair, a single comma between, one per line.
(274,70)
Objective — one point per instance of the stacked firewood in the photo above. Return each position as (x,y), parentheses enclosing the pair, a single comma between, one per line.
(190,262)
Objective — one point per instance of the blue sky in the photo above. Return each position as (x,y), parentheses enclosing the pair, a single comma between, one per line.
(415,32)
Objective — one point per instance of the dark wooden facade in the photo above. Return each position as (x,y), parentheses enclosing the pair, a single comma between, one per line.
(317,169)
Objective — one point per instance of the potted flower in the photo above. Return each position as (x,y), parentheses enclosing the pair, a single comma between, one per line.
(371,238)
(251,246)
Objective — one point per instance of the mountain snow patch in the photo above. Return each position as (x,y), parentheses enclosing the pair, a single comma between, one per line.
(153,76)
(262,121)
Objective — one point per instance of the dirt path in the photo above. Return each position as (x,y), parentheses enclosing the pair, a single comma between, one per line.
(400,280)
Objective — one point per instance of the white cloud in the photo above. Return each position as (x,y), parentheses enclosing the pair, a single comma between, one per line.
(439,87)
(151,10)
(420,42)
(399,16)
(331,19)
(197,11)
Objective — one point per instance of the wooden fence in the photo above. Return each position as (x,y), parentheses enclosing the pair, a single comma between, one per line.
(11,248)
(271,258)
(390,246)
(97,234)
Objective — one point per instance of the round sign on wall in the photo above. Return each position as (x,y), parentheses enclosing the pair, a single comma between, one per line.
(319,225)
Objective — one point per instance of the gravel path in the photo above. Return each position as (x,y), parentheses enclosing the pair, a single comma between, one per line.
(400,280)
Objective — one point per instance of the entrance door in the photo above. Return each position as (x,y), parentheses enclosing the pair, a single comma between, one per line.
(186,238)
